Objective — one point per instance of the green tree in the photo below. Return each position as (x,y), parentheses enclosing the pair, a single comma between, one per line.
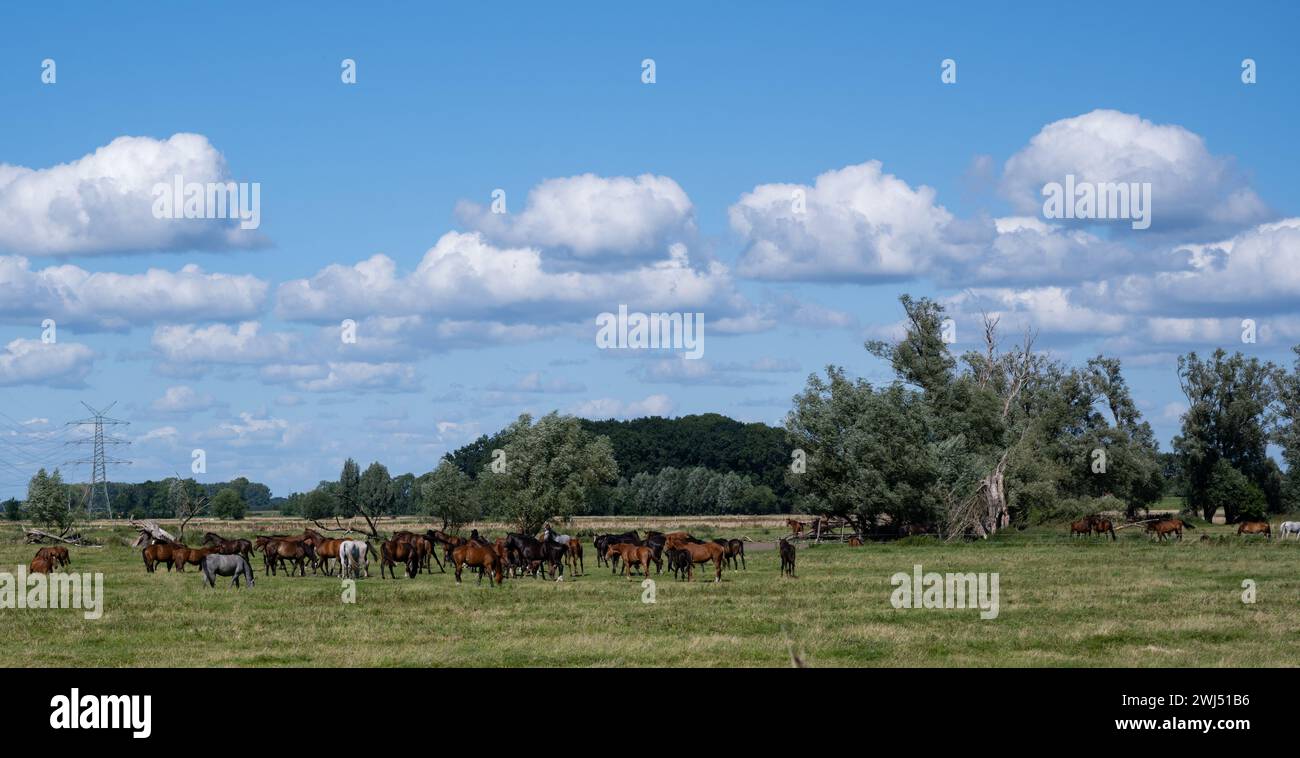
(49,503)
(229,505)
(1229,489)
(447,495)
(375,495)
(13,509)
(552,469)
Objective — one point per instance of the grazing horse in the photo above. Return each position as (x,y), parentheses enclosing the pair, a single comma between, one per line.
(787,559)
(41,565)
(1255,527)
(393,551)
(1081,527)
(354,557)
(1101,525)
(679,561)
(796,527)
(1289,527)
(158,552)
(58,555)
(449,542)
(424,546)
(195,555)
(699,552)
(1165,527)
(228,547)
(477,555)
(226,564)
(534,553)
(632,555)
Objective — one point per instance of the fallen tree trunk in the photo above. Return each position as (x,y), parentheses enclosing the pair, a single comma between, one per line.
(36,536)
(150,530)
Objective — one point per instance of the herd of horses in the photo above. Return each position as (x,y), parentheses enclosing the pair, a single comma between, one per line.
(1170,528)
(513,555)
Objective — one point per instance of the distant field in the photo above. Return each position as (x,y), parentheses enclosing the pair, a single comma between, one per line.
(1063,603)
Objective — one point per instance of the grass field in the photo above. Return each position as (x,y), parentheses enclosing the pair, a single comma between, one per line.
(1062,603)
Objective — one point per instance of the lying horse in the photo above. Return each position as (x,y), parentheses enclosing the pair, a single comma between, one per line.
(1289,527)
(1255,527)
(787,559)
(58,555)
(221,564)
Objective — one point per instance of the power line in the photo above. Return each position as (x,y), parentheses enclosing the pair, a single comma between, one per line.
(99,462)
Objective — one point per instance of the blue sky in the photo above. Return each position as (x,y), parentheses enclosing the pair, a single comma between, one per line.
(670,196)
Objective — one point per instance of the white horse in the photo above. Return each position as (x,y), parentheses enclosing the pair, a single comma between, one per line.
(1290,527)
(354,558)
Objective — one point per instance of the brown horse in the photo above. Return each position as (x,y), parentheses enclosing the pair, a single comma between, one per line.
(632,555)
(192,555)
(424,547)
(294,551)
(699,552)
(855,541)
(58,555)
(41,565)
(158,552)
(1081,527)
(479,556)
(449,543)
(1101,525)
(325,549)
(228,547)
(1165,527)
(576,566)
(393,551)
(1255,527)
(735,552)
(796,527)
(787,559)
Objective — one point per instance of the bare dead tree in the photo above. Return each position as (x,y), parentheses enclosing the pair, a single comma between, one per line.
(149,530)
(187,506)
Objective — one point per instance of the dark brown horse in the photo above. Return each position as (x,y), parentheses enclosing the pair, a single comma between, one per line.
(1101,525)
(296,552)
(1255,527)
(1081,527)
(392,552)
(479,556)
(787,558)
(228,547)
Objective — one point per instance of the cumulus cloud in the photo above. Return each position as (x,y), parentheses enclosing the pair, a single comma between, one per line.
(857,223)
(182,399)
(592,218)
(73,296)
(221,344)
(33,362)
(102,203)
(466,278)
(344,376)
(1193,191)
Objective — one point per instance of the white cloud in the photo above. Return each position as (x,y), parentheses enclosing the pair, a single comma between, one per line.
(61,364)
(182,399)
(220,344)
(73,296)
(603,408)
(465,278)
(102,203)
(344,376)
(1191,188)
(857,223)
(592,217)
